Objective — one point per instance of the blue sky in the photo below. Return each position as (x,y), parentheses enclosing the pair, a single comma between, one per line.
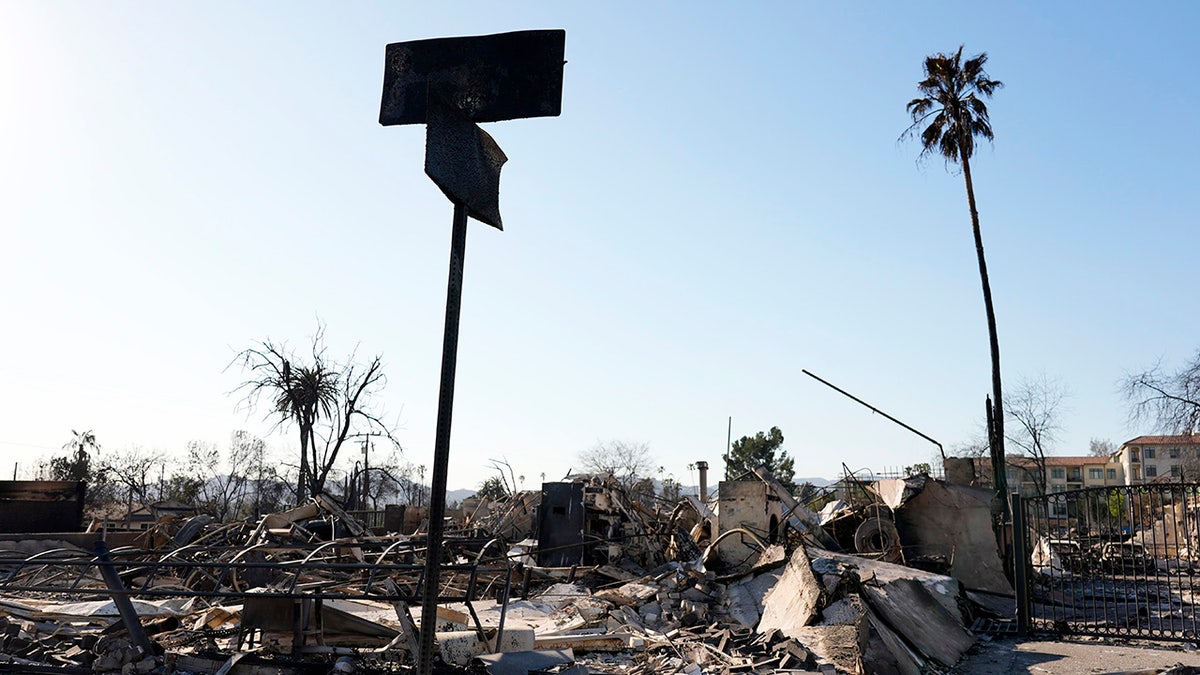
(722,203)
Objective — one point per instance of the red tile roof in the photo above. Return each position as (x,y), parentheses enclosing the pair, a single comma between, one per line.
(1051,460)
(1187,439)
(1075,461)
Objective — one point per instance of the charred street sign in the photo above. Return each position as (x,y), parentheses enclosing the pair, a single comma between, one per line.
(489,77)
(450,84)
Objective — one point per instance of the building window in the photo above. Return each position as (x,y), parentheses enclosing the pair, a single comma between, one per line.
(1058,487)
(1151,471)
(1149,452)
(1174,453)
(1076,474)
(1133,455)
(1176,471)
(1096,474)
(1112,474)
(1058,473)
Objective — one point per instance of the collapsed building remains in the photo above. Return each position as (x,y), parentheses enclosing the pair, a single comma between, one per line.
(584,575)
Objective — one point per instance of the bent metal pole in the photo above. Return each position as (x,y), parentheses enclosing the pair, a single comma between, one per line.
(441,444)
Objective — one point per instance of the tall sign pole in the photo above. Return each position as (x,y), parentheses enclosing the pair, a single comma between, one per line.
(450,84)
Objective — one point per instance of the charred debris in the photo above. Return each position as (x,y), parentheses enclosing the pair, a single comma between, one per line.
(580,576)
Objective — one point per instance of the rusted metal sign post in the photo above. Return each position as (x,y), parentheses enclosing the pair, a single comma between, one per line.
(449,84)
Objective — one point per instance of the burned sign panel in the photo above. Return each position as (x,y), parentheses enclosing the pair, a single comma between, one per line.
(560,525)
(464,161)
(489,77)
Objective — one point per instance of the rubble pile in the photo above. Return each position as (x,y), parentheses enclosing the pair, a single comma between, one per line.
(583,576)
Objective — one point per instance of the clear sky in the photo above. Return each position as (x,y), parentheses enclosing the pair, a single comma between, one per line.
(722,203)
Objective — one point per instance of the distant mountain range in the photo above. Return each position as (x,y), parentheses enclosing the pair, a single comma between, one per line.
(458,495)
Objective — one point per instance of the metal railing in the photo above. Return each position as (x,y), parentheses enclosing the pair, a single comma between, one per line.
(372,518)
(387,571)
(1120,561)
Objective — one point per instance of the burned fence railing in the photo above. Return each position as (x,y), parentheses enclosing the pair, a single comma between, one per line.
(1116,561)
(394,572)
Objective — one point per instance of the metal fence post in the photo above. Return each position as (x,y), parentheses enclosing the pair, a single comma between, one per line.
(1020,563)
(120,597)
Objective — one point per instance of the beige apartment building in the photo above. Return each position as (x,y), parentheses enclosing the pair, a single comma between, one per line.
(1160,459)
(1065,473)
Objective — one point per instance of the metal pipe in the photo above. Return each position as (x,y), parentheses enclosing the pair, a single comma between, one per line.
(876,410)
(121,599)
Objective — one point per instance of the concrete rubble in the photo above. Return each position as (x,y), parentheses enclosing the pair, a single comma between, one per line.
(749,582)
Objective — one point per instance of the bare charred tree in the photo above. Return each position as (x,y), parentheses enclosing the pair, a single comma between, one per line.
(327,402)
(671,490)
(1033,408)
(510,481)
(225,486)
(387,480)
(627,461)
(1101,447)
(268,486)
(135,469)
(1170,401)
(975,446)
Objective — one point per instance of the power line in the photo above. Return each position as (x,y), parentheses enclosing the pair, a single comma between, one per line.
(29,445)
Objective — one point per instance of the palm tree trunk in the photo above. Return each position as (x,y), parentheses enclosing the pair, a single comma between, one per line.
(302,479)
(996,443)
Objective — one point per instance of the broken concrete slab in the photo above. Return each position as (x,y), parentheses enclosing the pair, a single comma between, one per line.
(842,636)
(865,616)
(794,600)
(946,590)
(632,593)
(913,612)
(744,598)
(887,653)
(841,646)
(591,641)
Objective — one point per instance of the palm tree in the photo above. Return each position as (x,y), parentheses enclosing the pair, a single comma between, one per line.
(950,114)
(77,467)
(304,394)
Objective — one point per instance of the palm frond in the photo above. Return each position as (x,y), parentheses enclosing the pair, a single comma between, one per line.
(919,106)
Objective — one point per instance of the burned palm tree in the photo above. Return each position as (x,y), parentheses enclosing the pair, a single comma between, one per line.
(949,115)
(300,394)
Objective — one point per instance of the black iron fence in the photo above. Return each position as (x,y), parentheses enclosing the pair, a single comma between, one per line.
(1119,561)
